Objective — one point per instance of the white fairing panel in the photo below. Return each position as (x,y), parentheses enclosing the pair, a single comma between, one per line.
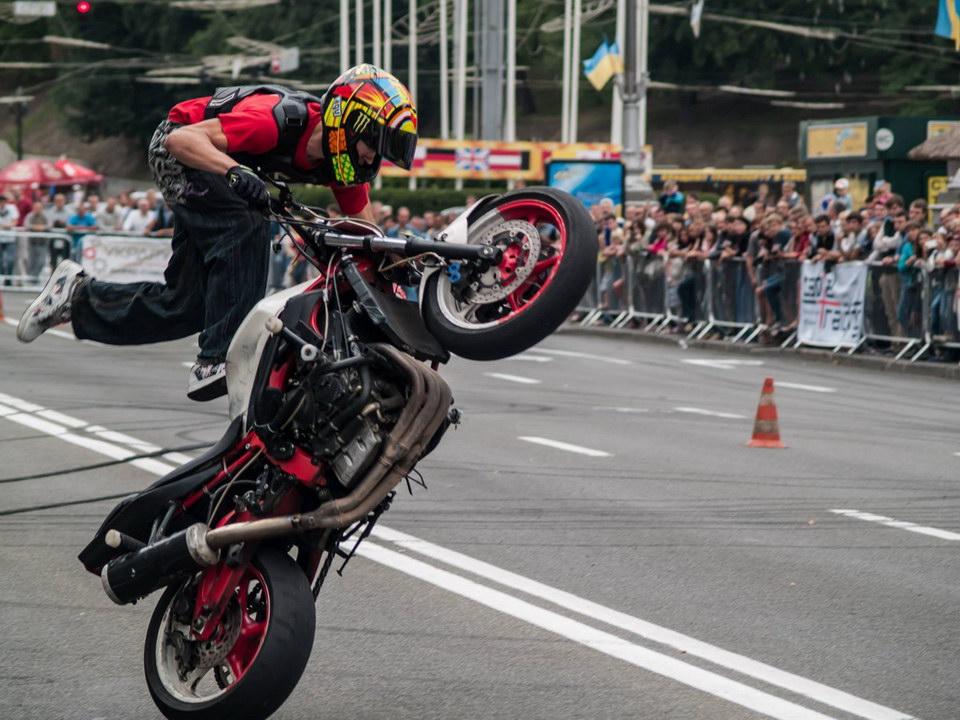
(247,345)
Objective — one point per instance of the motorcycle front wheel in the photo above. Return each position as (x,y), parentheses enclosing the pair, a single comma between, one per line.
(255,657)
(549,250)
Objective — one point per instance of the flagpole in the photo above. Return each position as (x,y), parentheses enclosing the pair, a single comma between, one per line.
(358,31)
(575,70)
(388,35)
(510,129)
(567,32)
(412,68)
(635,97)
(444,75)
(344,35)
(460,89)
(616,109)
(377,49)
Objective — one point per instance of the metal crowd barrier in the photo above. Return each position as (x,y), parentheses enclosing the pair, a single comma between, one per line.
(645,290)
(731,303)
(26,256)
(896,309)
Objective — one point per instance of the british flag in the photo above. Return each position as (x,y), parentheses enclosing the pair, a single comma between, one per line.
(473,159)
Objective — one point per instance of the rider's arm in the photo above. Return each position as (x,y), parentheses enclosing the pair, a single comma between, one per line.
(366,213)
(201,146)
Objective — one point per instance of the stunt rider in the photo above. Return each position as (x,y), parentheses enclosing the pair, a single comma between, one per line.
(203,158)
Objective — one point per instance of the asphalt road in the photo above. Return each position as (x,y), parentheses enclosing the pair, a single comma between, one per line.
(658,568)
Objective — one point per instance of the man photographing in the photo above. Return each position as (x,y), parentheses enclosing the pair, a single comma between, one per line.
(205,157)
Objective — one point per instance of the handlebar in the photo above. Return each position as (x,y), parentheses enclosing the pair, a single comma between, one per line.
(326,235)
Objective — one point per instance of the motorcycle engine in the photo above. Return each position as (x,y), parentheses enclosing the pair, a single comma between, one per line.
(345,419)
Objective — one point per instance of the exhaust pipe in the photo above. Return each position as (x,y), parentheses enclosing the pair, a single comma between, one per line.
(130,577)
(146,569)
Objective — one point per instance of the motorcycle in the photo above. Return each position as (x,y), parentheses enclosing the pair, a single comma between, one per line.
(334,396)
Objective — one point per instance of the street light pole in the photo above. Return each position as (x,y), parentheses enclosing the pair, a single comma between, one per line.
(635,96)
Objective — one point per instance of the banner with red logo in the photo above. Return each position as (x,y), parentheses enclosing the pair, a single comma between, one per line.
(832,304)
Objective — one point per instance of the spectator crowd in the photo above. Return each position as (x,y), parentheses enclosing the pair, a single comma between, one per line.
(764,231)
(54,225)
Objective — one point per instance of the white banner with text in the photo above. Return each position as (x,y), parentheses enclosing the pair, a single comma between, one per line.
(122,259)
(831,304)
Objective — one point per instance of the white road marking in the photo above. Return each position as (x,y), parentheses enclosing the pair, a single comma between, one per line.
(664,665)
(623,409)
(800,386)
(513,378)
(753,668)
(902,524)
(530,358)
(722,364)
(711,413)
(586,356)
(41,419)
(604,642)
(565,446)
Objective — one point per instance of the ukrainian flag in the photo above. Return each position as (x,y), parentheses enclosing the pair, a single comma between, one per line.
(948,21)
(605,63)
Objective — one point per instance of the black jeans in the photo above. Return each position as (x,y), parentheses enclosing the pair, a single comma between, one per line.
(218,272)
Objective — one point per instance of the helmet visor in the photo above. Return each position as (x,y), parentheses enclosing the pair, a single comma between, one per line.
(398,146)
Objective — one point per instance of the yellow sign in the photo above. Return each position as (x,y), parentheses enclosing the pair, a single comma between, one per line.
(938,127)
(835,141)
(935,185)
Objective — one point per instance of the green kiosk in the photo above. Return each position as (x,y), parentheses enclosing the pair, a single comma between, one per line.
(867,149)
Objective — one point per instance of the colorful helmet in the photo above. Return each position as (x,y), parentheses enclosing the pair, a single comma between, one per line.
(370,105)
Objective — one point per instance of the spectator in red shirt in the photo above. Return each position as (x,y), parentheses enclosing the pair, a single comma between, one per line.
(205,159)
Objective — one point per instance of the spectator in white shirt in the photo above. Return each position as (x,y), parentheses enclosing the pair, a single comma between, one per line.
(141,220)
(109,217)
(8,244)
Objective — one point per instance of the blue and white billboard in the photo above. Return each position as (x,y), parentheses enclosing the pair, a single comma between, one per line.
(589,180)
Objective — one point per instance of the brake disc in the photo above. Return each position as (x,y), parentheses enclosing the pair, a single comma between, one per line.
(520,242)
(208,653)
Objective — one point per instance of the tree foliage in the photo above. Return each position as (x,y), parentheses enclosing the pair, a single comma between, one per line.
(889,45)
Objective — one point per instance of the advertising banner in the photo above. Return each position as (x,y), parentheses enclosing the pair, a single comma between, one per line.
(494,160)
(831,304)
(588,181)
(118,258)
(841,140)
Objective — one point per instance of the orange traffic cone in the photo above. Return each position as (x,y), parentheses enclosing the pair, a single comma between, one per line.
(766,428)
(3,317)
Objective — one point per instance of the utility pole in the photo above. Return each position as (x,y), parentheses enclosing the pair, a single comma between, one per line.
(635,97)
(18,109)
(344,35)
(491,70)
(444,74)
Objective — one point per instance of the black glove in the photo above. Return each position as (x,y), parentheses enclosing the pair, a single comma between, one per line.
(248,186)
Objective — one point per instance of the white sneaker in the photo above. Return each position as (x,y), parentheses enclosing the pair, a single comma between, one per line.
(52,306)
(208,381)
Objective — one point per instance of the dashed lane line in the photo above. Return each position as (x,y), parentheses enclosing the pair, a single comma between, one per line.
(709,413)
(900,524)
(585,356)
(801,386)
(568,447)
(513,378)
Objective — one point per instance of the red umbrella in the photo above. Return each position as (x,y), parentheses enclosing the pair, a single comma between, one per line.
(32,172)
(77,173)
(46,172)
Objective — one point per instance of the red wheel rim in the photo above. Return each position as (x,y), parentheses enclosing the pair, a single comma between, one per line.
(535,212)
(254,600)
(524,277)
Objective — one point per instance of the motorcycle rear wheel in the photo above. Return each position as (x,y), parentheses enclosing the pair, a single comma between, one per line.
(534,289)
(269,626)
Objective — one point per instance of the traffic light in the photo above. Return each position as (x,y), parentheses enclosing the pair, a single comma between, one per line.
(83,7)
